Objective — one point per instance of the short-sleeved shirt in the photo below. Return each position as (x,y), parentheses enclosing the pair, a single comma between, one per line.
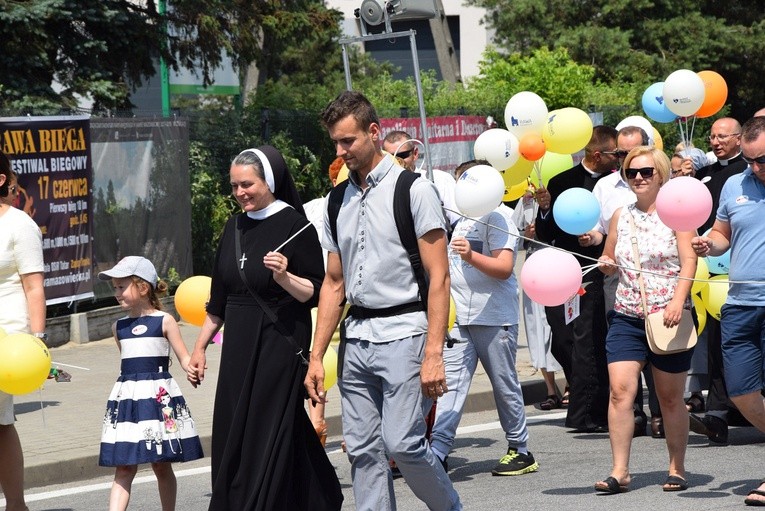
(20,254)
(742,205)
(376,269)
(657,249)
(612,193)
(479,298)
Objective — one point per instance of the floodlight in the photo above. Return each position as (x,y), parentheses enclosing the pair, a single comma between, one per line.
(373,12)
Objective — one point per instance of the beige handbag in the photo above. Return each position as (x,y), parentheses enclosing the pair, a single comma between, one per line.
(663,340)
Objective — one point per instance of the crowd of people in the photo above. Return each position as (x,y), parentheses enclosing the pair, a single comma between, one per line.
(397,355)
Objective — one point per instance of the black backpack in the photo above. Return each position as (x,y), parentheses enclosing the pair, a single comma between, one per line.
(402,214)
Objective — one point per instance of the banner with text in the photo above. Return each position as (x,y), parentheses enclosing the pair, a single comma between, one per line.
(450,138)
(51,157)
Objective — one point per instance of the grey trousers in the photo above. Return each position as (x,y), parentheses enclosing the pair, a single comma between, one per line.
(382,412)
(496,347)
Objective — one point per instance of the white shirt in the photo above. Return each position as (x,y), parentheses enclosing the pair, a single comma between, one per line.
(445,185)
(612,193)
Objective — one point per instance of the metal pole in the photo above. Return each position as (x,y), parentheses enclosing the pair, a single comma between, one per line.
(421,101)
(346,66)
(163,73)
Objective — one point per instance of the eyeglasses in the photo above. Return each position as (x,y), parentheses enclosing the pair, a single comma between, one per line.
(645,172)
(617,153)
(405,154)
(722,138)
(760,160)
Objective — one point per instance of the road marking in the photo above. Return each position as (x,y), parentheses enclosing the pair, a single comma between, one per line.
(463,430)
(34,497)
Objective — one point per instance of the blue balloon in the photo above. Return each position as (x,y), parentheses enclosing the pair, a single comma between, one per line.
(719,265)
(576,211)
(653,104)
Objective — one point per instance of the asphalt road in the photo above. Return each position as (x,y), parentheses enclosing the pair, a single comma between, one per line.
(569,465)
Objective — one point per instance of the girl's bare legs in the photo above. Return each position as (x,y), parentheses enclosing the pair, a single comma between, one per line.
(12,469)
(123,480)
(167,485)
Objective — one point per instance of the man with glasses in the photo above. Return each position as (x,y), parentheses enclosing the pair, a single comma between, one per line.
(739,226)
(400,144)
(580,345)
(725,139)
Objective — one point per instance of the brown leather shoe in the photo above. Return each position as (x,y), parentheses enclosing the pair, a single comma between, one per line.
(657,426)
(321,432)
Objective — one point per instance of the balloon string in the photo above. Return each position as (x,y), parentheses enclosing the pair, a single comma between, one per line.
(690,136)
(596,261)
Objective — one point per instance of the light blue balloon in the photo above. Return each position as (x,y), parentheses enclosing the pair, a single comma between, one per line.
(576,211)
(654,106)
(719,265)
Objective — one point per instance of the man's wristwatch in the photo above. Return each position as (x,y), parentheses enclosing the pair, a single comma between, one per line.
(41,335)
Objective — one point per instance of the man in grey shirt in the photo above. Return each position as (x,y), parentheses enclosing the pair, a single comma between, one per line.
(393,351)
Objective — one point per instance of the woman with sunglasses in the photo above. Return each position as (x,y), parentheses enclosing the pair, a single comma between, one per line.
(664,255)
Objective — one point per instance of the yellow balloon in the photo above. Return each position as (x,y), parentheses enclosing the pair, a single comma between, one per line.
(702,272)
(658,142)
(330,367)
(567,130)
(24,363)
(715,294)
(701,313)
(518,172)
(191,297)
(3,333)
(515,192)
(452,314)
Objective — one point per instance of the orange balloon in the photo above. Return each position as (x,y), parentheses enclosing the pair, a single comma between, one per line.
(716,93)
(531,146)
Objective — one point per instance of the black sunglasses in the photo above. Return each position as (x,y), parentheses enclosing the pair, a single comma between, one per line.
(645,172)
(760,160)
(405,154)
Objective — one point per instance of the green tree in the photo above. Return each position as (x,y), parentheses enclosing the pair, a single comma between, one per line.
(642,41)
(100,48)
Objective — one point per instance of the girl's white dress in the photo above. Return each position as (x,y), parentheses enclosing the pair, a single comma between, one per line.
(147,419)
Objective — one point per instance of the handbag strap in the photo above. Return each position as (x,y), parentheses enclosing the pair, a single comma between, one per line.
(262,304)
(636,257)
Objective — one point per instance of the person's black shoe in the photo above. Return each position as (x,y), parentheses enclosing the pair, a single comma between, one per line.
(641,421)
(713,427)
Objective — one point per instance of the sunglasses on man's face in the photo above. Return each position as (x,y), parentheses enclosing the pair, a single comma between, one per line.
(405,154)
(644,172)
(760,160)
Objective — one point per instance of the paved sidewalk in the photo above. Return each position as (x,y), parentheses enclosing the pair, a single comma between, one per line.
(60,426)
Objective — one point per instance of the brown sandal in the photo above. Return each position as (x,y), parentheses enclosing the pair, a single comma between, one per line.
(695,403)
(552,402)
(564,399)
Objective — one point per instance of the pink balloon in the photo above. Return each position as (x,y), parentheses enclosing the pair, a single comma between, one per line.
(551,276)
(684,203)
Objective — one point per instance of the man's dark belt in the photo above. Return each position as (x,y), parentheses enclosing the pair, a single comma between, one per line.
(358,312)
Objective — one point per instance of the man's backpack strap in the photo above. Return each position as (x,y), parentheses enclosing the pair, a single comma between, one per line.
(333,208)
(402,214)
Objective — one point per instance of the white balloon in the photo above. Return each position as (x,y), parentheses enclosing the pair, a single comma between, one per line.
(525,112)
(684,92)
(640,122)
(479,191)
(497,146)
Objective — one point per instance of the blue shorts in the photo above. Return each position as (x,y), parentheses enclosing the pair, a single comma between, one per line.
(743,341)
(626,340)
